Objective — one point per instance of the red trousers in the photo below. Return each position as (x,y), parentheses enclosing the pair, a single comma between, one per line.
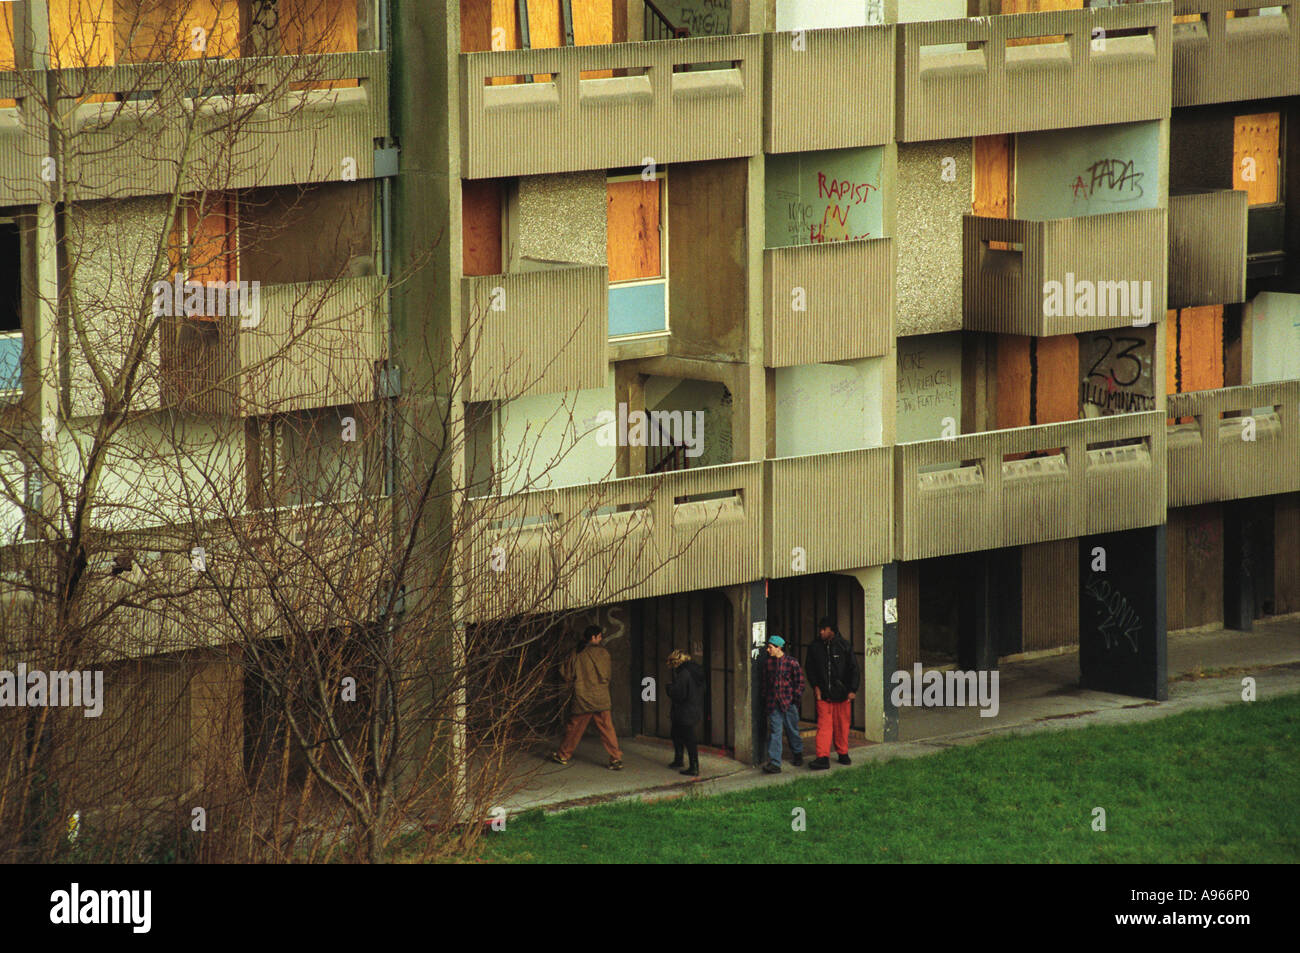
(833,717)
(578,724)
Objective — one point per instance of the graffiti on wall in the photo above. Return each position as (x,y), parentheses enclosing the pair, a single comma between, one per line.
(1117,372)
(823,197)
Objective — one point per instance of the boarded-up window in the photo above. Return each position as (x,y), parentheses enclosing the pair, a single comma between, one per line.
(313,27)
(481,227)
(1255,158)
(211,225)
(166,30)
(633,230)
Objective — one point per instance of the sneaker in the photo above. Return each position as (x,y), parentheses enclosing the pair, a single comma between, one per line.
(797,760)
(615,764)
(692,772)
(845,759)
(771,768)
(555,756)
(820,764)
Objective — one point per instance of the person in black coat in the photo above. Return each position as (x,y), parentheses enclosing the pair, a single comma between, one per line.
(834,675)
(686,691)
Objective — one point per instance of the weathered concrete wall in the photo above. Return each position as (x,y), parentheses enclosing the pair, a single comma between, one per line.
(929,233)
(823,408)
(552,440)
(929,386)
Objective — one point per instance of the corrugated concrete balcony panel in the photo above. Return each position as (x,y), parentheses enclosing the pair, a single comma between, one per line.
(622,539)
(316,345)
(829,89)
(537,332)
(1214,458)
(1207,248)
(846,293)
(992,87)
(1124,486)
(1220,60)
(965,495)
(24,139)
(835,507)
(251,128)
(1005,290)
(568,124)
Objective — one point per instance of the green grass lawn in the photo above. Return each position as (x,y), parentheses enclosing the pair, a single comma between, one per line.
(1221,785)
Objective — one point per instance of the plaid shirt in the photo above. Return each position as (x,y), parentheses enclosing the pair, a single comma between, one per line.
(784,683)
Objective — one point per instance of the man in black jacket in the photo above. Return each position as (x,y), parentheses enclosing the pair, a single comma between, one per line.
(686,691)
(833,673)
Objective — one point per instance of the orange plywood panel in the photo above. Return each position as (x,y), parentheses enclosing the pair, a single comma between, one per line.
(168,30)
(1013,377)
(475,26)
(1037,6)
(318,26)
(593,23)
(1057,396)
(481,227)
(1200,348)
(1171,352)
(1255,156)
(7,58)
(634,240)
(81,33)
(992,177)
(212,227)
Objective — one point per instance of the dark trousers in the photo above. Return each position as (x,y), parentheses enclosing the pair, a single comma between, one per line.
(684,737)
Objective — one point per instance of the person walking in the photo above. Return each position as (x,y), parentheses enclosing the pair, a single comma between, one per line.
(686,691)
(833,674)
(782,689)
(588,672)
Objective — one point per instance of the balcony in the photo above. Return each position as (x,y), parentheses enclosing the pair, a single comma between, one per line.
(831,301)
(835,507)
(994,86)
(312,344)
(255,127)
(829,89)
(1241,442)
(1219,59)
(622,539)
(976,492)
(1207,248)
(653,105)
(24,140)
(536,332)
(1005,290)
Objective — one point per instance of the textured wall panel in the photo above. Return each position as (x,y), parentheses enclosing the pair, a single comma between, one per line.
(829,89)
(622,539)
(847,291)
(315,346)
(23,139)
(929,233)
(980,500)
(1207,248)
(999,87)
(569,124)
(837,507)
(1004,290)
(550,335)
(273,135)
(1219,60)
(1213,458)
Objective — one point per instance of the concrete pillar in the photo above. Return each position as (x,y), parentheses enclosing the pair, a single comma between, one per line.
(880,642)
(749,615)
(1122,613)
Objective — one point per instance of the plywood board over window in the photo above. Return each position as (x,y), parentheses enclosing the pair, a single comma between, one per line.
(313,27)
(635,249)
(480,219)
(167,30)
(1256,157)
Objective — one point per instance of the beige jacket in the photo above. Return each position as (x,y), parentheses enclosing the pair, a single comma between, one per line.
(588,672)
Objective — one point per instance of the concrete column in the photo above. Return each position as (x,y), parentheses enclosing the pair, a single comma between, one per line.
(880,621)
(1122,613)
(749,615)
